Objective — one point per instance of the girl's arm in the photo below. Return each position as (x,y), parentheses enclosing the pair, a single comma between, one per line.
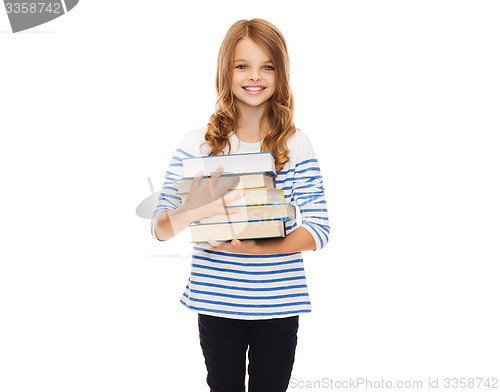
(203,201)
(171,216)
(172,222)
(297,241)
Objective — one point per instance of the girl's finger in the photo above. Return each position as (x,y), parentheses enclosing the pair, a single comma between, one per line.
(217,174)
(214,243)
(232,196)
(197,178)
(224,184)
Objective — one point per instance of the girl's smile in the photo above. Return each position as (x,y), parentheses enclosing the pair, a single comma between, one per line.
(254,89)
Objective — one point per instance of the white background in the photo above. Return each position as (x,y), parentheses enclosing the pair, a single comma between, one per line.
(401,102)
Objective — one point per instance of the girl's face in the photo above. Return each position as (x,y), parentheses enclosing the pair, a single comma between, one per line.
(254,77)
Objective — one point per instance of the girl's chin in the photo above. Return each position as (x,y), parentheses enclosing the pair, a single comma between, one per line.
(255,103)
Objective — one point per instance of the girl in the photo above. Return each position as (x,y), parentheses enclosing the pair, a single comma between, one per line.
(249,293)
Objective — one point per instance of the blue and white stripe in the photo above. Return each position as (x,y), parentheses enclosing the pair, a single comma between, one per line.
(244,286)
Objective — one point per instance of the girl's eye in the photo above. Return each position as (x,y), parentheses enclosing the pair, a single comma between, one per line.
(266,67)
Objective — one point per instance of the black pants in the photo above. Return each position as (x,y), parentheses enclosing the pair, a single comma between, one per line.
(271,353)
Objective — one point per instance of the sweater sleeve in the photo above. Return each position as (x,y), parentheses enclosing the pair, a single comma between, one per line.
(308,192)
(168,198)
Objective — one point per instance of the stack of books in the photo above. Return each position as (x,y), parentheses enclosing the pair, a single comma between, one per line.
(263,210)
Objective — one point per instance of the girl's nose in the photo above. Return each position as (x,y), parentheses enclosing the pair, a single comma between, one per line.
(254,75)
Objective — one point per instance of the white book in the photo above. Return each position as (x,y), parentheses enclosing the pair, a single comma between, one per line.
(257,162)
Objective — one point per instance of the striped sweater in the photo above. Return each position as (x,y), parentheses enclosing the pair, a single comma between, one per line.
(244,286)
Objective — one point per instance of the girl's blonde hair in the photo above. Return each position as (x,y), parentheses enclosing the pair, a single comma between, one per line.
(280,106)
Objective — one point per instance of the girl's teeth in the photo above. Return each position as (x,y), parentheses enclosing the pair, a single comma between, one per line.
(253,88)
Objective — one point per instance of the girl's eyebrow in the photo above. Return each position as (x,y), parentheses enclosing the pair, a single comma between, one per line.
(267,61)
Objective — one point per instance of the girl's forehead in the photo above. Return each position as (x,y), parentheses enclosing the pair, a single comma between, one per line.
(247,48)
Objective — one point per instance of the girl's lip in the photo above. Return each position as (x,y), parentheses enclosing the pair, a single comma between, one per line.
(254,92)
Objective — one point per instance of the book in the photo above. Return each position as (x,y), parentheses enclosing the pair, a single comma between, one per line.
(238,230)
(252,196)
(251,180)
(257,162)
(263,208)
(254,213)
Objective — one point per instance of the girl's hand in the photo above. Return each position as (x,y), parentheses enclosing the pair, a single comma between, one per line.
(209,199)
(237,246)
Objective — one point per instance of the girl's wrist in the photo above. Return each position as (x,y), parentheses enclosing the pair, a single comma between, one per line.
(190,214)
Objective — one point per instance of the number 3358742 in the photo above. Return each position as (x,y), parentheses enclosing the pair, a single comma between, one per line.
(33,8)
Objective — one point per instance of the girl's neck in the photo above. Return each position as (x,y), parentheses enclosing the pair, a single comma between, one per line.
(249,128)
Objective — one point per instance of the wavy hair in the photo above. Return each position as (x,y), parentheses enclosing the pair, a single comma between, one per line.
(224,121)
